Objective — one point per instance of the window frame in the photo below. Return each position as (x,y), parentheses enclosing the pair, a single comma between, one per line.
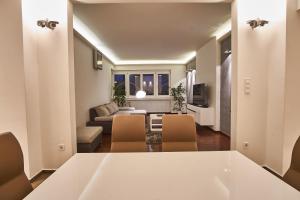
(129,95)
(113,81)
(142,80)
(155,74)
(169,83)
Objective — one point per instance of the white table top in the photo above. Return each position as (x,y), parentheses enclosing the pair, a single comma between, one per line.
(163,176)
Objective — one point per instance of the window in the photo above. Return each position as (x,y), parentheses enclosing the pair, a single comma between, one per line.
(148,84)
(119,82)
(154,83)
(163,84)
(134,83)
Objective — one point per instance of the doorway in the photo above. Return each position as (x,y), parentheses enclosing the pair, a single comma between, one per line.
(225,89)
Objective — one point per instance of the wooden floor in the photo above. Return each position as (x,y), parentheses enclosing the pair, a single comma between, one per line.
(41,177)
(207,140)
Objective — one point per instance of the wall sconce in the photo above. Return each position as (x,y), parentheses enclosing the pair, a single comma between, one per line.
(256,23)
(46,23)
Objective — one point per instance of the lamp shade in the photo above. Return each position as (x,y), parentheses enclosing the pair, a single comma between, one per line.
(140,94)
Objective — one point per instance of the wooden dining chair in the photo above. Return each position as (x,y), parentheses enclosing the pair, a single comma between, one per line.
(14,184)
(128,133)
(179,133)
(292,176)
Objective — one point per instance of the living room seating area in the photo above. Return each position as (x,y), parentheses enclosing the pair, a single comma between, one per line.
(102,115)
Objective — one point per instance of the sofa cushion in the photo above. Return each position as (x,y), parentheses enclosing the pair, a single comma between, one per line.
(102,111)
(88,134)
(111,108)
(104,118)
(116,107)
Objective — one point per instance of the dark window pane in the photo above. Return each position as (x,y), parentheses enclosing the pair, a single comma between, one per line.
(148,84)
(163,84)
(134,81)
(120,83)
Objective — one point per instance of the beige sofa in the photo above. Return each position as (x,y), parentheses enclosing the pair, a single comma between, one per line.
(103,115)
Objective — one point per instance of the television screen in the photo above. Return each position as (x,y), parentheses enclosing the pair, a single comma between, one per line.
(200,96)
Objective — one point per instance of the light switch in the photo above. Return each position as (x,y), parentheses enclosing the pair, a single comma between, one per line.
(247,86)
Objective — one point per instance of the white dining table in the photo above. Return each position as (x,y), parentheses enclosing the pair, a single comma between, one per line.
(226,175)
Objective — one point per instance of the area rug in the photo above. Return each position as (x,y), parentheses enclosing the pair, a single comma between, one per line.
(153,138)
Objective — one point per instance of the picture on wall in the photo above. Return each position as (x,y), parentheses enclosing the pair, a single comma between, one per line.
(97,60)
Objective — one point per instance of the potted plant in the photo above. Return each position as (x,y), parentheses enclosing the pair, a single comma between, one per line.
(177,94)
(119,96)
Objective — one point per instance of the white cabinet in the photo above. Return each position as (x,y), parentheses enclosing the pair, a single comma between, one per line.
(203,116)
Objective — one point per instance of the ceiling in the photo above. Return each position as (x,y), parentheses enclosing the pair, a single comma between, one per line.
(139,33)
(152,1)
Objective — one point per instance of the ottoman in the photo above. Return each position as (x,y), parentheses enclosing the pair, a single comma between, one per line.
(88,139)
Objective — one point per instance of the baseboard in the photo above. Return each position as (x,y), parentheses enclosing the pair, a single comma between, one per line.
(49,170)
(225,134)
(220,132)
(272,171)
(35,175)
(40,172)
(213,128)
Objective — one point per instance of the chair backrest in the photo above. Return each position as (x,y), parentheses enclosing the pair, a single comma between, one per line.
(14,183)
(179,133)
(128,133)
(292,176)
(295,164)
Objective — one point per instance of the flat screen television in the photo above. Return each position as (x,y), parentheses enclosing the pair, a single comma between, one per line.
(200,95)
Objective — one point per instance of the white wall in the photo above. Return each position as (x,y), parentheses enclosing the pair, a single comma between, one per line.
(234,75)
(260,56)
(49,73)
(292,97)
(12,77)
(92,87)
(31,67)
(54,81)
(276,66)
(71,74)
(206,72)
(178,75)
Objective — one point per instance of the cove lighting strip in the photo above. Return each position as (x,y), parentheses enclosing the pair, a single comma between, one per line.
(222,30)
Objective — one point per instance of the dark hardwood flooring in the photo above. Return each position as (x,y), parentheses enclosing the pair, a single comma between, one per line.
(207,140)
(41,177)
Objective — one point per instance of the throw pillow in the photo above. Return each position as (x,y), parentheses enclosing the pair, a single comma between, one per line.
(110,108)
(116,107)
(102,111)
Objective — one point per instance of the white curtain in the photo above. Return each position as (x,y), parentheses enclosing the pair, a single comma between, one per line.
(191,76)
